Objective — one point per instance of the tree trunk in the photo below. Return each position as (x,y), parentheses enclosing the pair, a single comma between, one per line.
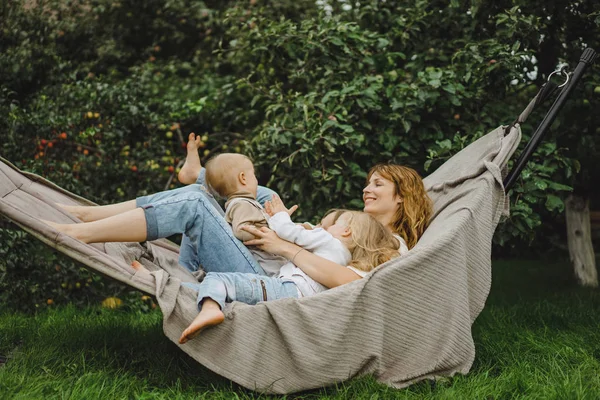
(595,218)
(579,237)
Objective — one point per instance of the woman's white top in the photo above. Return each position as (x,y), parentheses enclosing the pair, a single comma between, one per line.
(402,250)
(403,247)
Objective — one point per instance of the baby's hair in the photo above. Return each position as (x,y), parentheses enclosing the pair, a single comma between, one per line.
(222,171)
(372,244)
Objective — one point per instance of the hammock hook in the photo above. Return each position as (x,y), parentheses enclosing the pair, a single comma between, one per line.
(587,58)
(561,71)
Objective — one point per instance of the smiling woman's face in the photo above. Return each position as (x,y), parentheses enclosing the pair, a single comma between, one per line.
(380,196)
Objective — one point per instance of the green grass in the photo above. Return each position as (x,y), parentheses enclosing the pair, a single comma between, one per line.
(538,338)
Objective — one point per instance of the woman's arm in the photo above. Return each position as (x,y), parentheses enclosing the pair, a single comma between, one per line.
(326,272)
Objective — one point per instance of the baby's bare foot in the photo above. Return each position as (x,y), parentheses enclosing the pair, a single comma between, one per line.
(138,266)
(191,168)
(210,315)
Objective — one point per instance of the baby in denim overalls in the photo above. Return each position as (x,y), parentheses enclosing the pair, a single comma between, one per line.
(232,177)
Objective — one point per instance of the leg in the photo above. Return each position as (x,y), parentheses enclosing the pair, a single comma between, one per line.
(263,194)
(188,252)
(94,213)
(218,288)
(189,212)
(208,239)
(168,194)
(188,255)
(129,226)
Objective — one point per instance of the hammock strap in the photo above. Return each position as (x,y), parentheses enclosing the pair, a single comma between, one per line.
(546,91)
(586,59)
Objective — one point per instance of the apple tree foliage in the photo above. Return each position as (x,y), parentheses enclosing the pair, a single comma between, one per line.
(98,96)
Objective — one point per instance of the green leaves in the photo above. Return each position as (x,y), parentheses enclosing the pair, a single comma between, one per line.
(316,99)
(554,203)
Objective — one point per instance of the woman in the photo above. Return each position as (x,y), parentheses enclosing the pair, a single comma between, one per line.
(394,195)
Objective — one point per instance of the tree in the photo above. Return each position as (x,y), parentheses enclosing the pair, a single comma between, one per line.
(98,95)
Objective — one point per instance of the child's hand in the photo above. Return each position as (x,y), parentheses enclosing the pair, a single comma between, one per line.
(275,205)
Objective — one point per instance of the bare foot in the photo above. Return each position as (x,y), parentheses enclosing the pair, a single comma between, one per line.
(191,168)
(64,228)
(210,315)
(68,229)
(78,211)
(139,267)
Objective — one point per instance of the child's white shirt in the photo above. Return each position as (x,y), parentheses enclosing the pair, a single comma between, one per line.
(403,249)
(318,241)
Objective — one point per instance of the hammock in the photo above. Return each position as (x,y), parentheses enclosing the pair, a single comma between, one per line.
(408,320)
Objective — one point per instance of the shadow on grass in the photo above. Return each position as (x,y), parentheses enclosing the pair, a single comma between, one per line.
(96,341)
(537,334)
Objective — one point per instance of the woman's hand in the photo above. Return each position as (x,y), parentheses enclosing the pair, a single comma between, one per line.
(324,271)
(267,240)
(275,205)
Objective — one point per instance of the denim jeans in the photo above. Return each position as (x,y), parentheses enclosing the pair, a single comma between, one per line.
(247,288)
(207,239)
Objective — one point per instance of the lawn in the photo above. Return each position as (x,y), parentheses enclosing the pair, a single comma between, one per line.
(537,338)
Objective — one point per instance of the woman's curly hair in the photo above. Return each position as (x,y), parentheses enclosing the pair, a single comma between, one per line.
(415,210)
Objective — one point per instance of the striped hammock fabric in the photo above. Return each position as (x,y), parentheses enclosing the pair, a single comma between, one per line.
(408,320)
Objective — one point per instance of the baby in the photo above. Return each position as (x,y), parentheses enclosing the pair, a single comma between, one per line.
(232,177)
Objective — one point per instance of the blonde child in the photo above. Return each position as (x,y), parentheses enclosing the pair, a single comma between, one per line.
(350,238)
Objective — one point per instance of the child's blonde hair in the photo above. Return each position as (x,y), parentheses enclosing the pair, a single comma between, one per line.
(372,244)
(222,171)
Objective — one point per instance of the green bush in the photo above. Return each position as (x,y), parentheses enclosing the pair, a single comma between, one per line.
(43,277)
(99,97)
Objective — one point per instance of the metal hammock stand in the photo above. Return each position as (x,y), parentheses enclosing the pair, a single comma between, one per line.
(586,60)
